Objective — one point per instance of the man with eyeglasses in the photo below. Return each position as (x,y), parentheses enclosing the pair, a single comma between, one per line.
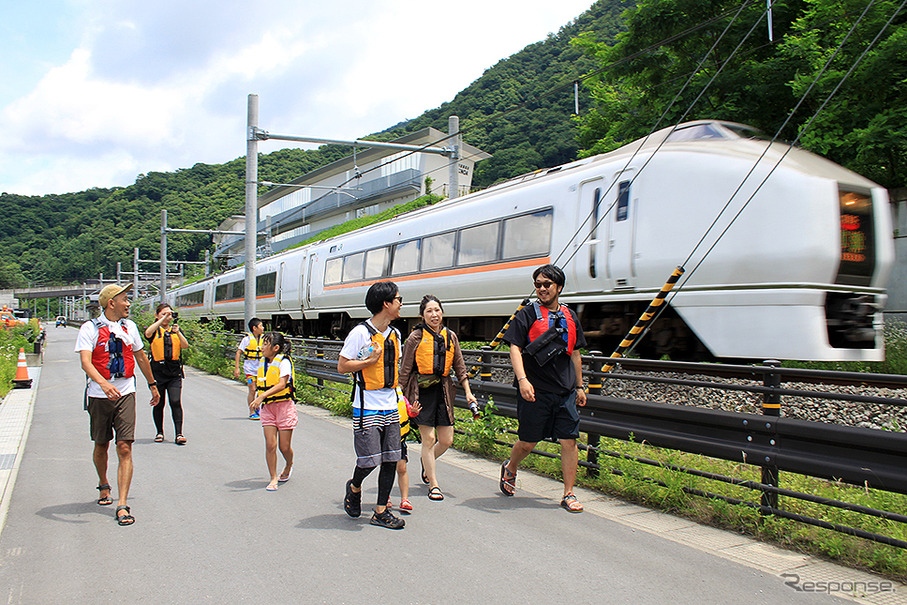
(371,353)
(545,338)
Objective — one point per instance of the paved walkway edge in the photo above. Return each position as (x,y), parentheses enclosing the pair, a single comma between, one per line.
(15,421)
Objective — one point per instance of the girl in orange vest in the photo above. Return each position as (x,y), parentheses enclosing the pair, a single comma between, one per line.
(167,343)
(429,354)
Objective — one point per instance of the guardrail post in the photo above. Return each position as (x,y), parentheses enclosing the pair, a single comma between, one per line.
(771,408)
(485,371)
(593,439)
(319,355)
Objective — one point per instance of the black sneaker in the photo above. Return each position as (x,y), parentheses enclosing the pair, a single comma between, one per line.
(388,520)
(352,502)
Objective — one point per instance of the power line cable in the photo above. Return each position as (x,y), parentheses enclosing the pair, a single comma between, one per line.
(805,128)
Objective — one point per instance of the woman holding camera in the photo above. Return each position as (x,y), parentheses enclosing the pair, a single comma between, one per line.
(167,343)
(429,354)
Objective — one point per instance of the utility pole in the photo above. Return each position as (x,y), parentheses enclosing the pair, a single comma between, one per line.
(453,130)
(251,239)
(163,255)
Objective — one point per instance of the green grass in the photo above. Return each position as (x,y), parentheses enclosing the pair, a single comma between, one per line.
(11,340)
(664,489)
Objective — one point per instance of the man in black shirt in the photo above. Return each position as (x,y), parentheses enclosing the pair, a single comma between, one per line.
(545,338)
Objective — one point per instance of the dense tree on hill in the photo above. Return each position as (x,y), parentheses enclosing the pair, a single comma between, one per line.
(633,59)
(519,110)
(642,78)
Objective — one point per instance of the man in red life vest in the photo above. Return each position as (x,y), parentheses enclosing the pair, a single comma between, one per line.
(545,338)
(110,347)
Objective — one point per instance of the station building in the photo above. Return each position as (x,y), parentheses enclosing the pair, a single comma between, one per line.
(365,183)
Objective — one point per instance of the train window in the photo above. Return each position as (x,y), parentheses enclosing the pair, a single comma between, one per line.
(623,201)
(696,132)
(406,258)
(376,263)
(225,292)
(333,271)
(231,291)
(352,267)
(478,244)
(266,285)
(438,251)
(527,235)
(191,299)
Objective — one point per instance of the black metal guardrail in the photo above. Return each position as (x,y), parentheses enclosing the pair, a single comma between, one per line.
(862,457)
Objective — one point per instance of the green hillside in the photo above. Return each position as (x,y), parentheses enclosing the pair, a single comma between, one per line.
(639,63)
(75,236)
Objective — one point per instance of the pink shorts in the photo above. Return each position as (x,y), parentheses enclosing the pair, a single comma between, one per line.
(281,414)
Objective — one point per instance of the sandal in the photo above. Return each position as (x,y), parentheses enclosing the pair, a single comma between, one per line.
(508,486)
(126,519)
(159,438)
(105,500)
(405,504)
(424,476)
(435,494)
(180,440)
(571,504)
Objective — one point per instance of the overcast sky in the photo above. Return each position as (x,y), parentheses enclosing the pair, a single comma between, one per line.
(96,92)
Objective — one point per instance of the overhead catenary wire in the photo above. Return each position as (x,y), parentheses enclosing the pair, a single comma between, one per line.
(803,130)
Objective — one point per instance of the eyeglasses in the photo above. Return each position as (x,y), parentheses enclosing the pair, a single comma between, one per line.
(400,298)
(539,285)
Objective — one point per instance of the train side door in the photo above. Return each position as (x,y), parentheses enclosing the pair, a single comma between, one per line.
(305,285)
(279,286)
(589,270)
(621,221)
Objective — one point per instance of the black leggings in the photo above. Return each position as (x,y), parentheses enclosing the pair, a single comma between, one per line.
(385,479)
(170,389)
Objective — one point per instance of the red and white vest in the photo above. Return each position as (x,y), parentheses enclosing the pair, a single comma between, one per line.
(100,355)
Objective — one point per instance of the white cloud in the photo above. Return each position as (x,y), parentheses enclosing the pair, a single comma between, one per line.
(159,86)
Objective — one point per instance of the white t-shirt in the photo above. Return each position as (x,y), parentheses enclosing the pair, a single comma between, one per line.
(249,366)
(377,399)
(124,329)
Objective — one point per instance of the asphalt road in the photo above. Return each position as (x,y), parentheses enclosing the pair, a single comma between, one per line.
(207,531)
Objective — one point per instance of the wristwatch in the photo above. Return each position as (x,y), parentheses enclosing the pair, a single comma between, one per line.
(152,384)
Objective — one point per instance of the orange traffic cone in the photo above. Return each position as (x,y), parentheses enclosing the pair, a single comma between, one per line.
(21,381)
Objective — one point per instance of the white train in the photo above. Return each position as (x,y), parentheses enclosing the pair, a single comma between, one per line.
(799,275)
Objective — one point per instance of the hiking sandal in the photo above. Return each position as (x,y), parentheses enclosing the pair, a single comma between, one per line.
(508,486)
(126,519)
(105,500)
(571,504)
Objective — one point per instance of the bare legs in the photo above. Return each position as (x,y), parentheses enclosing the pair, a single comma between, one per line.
(124,468)
(569,459)
(274,440)
(435,441)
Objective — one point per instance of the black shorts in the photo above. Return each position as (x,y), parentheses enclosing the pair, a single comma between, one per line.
(550,415)
(434,410)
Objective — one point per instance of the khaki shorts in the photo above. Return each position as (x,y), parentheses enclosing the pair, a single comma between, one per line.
(109,415)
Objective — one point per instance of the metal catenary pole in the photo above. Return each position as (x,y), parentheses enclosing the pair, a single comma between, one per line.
(251,239)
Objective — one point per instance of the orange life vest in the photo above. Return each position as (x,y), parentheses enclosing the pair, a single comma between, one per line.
(383,374)
(434,354)
(165,345)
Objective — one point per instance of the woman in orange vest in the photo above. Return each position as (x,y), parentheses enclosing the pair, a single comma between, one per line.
(167,342)
(429,354)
